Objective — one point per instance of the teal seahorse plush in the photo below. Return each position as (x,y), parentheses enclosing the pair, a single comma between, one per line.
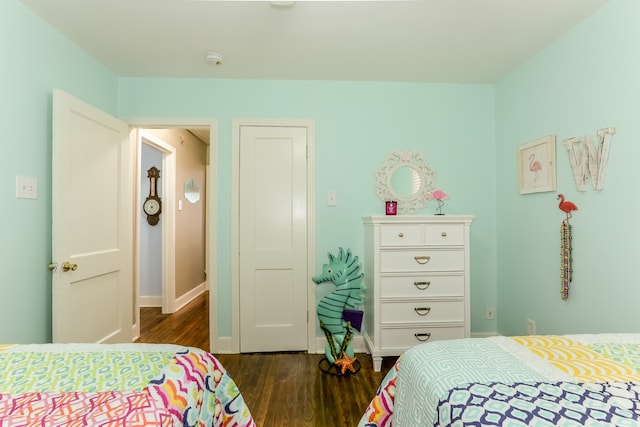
(342,304)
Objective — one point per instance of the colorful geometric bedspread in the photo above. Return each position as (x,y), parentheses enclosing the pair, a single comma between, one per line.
(541,404)
(116,385)
(454,382)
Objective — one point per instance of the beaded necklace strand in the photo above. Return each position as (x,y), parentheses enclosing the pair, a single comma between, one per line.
(566,270)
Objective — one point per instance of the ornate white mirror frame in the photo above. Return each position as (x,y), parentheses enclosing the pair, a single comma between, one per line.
(405,177)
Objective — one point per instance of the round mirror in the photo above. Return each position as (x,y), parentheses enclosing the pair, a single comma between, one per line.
(405,182)
(405,177)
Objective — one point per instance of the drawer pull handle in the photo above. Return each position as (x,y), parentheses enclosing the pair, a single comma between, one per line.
(421,285)
(422,259)
(423,337)
(444,234)
(422,311)
(400,234)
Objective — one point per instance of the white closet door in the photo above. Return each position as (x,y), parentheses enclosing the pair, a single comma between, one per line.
(273,222)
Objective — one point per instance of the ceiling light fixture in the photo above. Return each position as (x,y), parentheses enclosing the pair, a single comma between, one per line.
(282,3)
(214,58)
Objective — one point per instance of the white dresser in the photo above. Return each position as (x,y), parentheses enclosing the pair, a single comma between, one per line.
(417,281)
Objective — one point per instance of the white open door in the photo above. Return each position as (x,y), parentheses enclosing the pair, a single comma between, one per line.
(92,176)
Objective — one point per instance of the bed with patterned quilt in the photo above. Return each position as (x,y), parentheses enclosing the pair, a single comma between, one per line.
(568,380)
(116,385)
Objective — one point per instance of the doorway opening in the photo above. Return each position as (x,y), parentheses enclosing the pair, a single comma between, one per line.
(177,250)
(156,255)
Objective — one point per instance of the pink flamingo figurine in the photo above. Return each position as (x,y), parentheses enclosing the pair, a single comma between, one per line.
(566,206)
(439,195)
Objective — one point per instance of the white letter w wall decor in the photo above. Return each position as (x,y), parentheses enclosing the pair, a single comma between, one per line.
(591,161)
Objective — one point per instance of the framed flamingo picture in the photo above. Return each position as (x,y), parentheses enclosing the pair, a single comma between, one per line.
(537,165)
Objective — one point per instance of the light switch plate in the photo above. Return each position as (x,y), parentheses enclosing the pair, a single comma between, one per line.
(26,187)
(332,198)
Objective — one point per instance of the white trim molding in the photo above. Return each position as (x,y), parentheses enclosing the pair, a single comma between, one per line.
(150,301)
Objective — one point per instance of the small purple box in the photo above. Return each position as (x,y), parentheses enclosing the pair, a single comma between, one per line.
(353,316)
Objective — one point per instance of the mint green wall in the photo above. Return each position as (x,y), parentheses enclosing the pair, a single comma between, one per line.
(587,80)
(356,124)
(469,134)
(35,59)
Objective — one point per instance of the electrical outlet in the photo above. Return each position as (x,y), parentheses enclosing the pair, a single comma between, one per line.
(531,327)
(490,313)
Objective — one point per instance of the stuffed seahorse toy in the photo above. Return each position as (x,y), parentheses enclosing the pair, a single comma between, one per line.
(335,308)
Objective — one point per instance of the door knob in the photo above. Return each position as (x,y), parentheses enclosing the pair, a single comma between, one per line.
(66,266)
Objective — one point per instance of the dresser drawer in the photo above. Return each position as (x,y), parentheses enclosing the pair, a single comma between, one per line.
(421,260)
(401,235)
(423,286)
(404,338)
(422,311)
(444,234)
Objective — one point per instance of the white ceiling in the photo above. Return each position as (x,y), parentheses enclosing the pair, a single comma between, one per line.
(452,41)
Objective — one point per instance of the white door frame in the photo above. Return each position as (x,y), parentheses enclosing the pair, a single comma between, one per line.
(168,222)
(235,233)
(211,244)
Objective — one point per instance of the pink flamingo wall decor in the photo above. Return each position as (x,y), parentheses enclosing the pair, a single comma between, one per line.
(566,249)
(534,165)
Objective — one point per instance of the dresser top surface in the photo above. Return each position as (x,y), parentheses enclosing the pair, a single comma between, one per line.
(407,219)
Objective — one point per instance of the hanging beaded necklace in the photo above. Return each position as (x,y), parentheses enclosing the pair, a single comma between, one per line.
(566,269)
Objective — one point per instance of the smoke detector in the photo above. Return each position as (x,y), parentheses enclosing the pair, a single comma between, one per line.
(214,58)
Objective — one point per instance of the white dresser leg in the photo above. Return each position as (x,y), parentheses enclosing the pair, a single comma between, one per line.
(377,363)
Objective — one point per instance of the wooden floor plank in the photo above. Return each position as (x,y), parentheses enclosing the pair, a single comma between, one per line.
(281,389)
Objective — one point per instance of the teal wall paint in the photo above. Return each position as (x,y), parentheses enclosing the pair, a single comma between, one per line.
(585,81)
(35,60)
(469,134)
(356,124)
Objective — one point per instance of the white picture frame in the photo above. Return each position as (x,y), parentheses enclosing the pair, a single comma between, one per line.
(537,165)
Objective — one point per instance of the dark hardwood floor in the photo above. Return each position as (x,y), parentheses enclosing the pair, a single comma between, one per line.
(281,389)
(189,326)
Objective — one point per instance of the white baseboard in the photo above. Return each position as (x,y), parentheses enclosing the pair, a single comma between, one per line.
(222,345)
(135,332)
(483,334)
(156,301)
(150,301)
(189,296)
